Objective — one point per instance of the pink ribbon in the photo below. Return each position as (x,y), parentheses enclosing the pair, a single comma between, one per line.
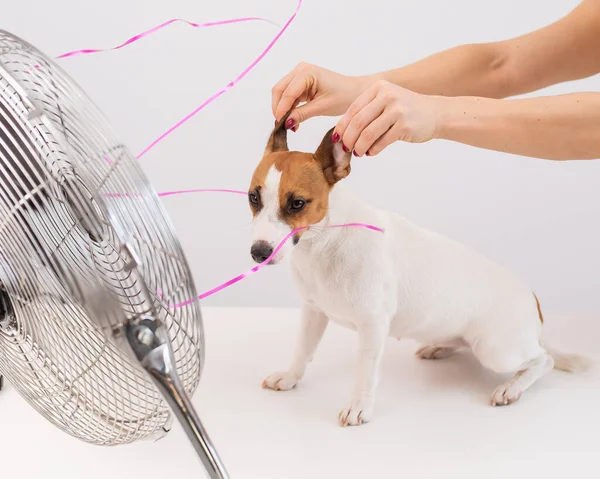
(264,263)
(178,192)
(152,30)
(160,27)
(202,190)
(258,267)
(229,86)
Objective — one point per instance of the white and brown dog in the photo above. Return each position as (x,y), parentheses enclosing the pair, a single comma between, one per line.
(404,283)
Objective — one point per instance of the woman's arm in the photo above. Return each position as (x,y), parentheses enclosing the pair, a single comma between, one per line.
(563,127)
(568,49)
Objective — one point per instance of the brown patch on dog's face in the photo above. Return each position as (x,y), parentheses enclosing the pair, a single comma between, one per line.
(290,189)
(303,189)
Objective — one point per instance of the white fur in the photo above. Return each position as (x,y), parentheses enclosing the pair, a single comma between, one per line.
(406,283)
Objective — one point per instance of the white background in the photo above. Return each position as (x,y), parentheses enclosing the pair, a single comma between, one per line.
(538,218)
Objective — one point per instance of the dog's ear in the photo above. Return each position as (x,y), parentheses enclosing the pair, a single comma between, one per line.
(334,160)
(278,138)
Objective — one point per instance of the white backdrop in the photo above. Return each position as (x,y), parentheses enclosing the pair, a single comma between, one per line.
(538,218)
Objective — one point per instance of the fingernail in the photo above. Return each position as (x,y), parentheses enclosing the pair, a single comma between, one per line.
(368,154)
(346,150)
(354,153)
(289,124)
(294,128)
(335,137)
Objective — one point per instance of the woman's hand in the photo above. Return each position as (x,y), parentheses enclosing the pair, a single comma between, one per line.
(323,92)
(562,127)
(386,113)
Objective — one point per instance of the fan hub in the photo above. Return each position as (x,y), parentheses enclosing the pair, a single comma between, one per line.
(7,316)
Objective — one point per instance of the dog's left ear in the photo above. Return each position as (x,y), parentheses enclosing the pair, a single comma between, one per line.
(278,138)
(334,160)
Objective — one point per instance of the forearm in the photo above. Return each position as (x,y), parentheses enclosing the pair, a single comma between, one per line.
(467,70)
(565,127)
(566,50)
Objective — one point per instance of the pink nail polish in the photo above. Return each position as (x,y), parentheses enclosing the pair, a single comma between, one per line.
(346,150)
(335,137)
(289,124)
(294,128)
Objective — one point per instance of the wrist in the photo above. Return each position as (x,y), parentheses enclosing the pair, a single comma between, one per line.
(449,114)
(355,86)
(362,82)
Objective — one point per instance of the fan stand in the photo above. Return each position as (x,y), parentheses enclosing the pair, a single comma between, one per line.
(149,342)
(146,339)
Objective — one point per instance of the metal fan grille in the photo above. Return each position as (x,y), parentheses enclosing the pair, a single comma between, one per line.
(75,204)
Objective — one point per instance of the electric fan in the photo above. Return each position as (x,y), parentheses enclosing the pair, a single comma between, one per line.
(97,330)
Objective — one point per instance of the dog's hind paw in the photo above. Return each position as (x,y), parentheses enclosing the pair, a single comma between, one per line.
(357,413)
(435,352)
(280,381)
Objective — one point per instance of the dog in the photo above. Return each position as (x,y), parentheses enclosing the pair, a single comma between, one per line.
(406,282)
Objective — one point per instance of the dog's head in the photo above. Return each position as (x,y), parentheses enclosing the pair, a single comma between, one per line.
(291,189)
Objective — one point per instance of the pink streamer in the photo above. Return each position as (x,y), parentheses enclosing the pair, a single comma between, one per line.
(267,261)
(203,190)
(160,27)
(155,29)
(229,86)
(179,192)
(258,267)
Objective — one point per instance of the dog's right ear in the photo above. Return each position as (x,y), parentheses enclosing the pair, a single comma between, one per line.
(334,160)
(278,138)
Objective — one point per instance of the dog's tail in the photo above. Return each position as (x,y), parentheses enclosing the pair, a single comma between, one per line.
(571,363)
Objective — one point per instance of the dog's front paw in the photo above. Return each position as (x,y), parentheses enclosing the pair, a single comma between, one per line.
(506,394)
(280,381)
(358,412)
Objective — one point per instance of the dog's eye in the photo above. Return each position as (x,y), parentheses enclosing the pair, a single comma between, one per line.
(298,204)
(253,197)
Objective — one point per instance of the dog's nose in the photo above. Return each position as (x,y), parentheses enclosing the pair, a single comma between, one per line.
(260,251)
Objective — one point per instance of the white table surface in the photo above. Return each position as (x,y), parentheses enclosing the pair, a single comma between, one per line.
(432,418)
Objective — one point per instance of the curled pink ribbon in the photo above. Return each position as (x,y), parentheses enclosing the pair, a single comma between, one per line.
(229,86)
(155,29)
(258,267)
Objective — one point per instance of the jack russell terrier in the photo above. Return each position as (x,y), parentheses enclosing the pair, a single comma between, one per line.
(404,283)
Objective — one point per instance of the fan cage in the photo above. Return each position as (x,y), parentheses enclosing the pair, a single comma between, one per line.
(75,209)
